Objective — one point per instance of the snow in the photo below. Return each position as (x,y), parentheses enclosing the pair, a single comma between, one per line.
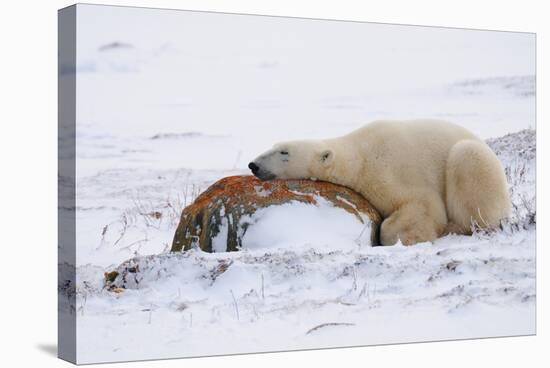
(296,224)
(219,242)
(458,287)
(173,101)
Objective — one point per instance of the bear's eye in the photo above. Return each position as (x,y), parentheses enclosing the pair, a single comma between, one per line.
(283,152)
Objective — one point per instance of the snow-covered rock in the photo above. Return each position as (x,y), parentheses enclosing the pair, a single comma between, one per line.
(240,212)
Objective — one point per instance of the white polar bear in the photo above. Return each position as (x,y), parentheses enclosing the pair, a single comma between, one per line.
(427,178)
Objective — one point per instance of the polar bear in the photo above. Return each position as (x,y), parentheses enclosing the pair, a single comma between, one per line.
(427,178)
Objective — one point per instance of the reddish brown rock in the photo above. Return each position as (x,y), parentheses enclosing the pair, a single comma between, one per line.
(236,196)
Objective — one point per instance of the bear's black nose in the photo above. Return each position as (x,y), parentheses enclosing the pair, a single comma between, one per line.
(252,166)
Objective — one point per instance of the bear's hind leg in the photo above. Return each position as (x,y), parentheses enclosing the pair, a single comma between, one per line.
(414,222)
(476,187)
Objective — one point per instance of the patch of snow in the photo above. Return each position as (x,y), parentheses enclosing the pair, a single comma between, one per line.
(352,205)
(300,193)
(219,242)
(297,224)
(261,191)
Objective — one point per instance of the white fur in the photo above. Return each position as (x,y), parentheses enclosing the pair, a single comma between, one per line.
(425,177)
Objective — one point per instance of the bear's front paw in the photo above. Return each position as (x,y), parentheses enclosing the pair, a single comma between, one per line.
(410,225)
(408,236)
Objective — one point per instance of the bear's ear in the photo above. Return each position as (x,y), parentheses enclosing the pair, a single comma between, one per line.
(327,156)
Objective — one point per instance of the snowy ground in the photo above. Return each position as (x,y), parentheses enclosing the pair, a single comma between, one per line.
(184,101)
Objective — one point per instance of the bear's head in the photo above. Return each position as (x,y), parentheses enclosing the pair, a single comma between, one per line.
(306,159)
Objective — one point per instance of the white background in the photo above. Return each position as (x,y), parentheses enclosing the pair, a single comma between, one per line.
(28,179)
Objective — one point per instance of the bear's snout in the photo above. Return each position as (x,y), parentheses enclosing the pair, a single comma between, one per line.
(259,172)
(252,166)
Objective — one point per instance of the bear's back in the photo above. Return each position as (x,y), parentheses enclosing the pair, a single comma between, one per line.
(407,155)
